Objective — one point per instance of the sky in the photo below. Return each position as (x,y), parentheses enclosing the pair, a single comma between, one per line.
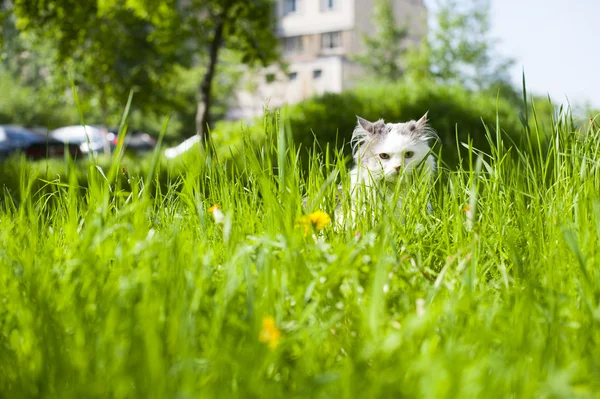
(556,42)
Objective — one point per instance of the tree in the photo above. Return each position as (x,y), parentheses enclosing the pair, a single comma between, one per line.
(460,48)
(243,26)
(384,51)
(246,26)
(119,45)
(30,94)
(107,50)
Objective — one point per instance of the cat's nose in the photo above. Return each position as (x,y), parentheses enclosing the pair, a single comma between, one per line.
(398,168)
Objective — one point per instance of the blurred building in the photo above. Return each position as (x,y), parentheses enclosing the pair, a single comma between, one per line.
(317,39)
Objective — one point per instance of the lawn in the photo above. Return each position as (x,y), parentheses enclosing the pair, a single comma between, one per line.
(132,289)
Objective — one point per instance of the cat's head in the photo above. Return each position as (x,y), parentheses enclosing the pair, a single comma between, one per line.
(387,150)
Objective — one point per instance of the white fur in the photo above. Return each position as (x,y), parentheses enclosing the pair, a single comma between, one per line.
(372,173)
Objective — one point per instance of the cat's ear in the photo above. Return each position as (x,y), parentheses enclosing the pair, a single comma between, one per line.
(373,128)
(421,123)
(365,124)
(424,131)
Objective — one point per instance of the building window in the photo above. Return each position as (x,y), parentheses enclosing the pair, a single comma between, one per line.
(293,44)
(317,73)
(331,40)
(293,75)
(328,5)
(290,6)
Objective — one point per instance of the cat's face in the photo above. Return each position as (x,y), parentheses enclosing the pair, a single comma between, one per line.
(389,150)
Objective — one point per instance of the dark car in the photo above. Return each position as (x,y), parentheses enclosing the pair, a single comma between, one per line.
(33,145)
(135,142)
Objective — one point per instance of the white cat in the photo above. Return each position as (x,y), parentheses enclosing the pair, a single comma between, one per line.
(387,154)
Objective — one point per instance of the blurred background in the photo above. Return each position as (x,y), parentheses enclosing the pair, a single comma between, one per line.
(555,43)
(70,71)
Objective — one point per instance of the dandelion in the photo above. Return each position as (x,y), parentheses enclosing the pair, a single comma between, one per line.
(217,213)
(318,220)
(269,334)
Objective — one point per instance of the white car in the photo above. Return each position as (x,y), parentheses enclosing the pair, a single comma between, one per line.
(188,144)
(90,139)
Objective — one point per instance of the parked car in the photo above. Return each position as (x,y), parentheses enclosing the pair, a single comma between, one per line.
(34,145)
(180,149)
(91,139)
(136,142)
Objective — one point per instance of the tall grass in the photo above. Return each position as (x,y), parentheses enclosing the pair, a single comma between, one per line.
(136,290)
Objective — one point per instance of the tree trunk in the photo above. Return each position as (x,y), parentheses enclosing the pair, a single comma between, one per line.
(203,112)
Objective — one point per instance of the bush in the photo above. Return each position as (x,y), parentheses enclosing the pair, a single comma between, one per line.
(456,114)
(452,111)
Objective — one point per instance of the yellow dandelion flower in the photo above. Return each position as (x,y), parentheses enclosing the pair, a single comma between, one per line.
(269,334)
(318,220)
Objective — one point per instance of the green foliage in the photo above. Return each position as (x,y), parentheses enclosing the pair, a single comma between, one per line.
(108,48)
(458,115)
(247,27)
(183,90)
(108,51)
(30,107)
(384,51)
(31,95)
(4,5)
(459,49)
(250,30)
(36,96)
(125,289)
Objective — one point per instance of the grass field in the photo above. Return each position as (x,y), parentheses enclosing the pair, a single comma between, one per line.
(128,289)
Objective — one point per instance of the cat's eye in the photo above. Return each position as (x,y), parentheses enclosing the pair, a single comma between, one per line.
(409,154)
(383,155)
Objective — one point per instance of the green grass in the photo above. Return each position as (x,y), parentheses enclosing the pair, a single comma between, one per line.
(128,289)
